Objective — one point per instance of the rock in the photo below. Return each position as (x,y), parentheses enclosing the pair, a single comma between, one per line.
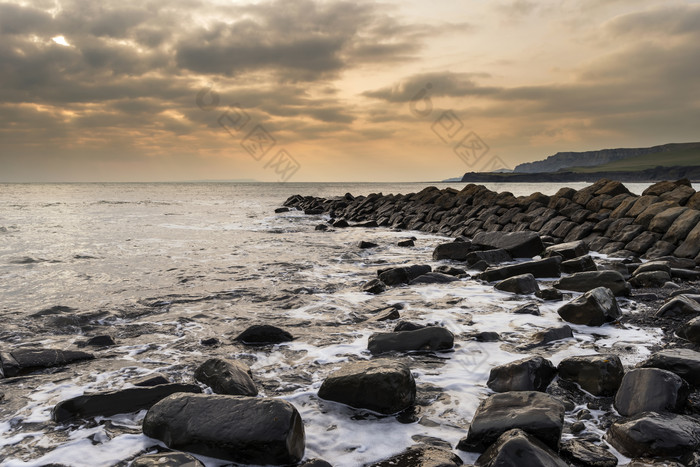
(100,341)
(691,331)
(316,463)
(491,257)
(227,377)
(515,448)
(241,429)
(589,280)
(341,224)
(683,362)
(210,342)
(518,244)
(527,374)
(550,267)
(527,309)
(549,294)
(433,278)
(386,313)
(659,188)
(653,266)
(421,456)
(454,250)
(115,402)
(281,210)
(585,454)
(24,360)
(394,276)
(646,216)
(581,264)
(682,226)
(321,227)
(690,247)
(550,335)
(655,435)
(428,338)
(154,379)
(383,386)
(568,250)
(651,390)
(487,336)
(261,334)
(594,308)
(679,306)
(450,271)
(536,413)
(600,375)
(375,286)
(364,245)
(651,279)
(407,326)
(167,459)
(681,194)
(663,221)
(406,243)
(521,284)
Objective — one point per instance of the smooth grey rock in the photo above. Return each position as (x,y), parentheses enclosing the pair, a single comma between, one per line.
(580,264)
(428,338)
(456,251)
(25,360)
(550,267)
(679,306)
(521,284)
(527,374)
(655,434)
(683,362)
(650,279)
(600,375)
(594,308)
(589,280)
(516,448)
(227,377)
(651,390)
(568,250)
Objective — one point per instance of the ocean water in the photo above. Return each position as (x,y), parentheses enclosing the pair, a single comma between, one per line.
(162,266)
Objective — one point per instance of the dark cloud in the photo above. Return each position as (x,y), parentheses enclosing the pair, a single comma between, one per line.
(445,84)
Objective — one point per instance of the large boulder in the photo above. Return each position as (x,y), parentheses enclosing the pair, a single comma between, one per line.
(521,284)
(526,374)
(536,413)
(227,377)
(651,390)
(569,250)
(241,429)
(682,226)
(600,375)
(22,361)
(456,251)
(593,308)
(518,244)
(115,402)
(403,275)
(517,448)
(421,456)
(589,280)
(679,306)
(384,386)
(683,362)
(261,334)
(655,434)
(549,267)
(427,338)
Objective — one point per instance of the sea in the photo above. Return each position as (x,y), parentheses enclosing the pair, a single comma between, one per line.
(162,266)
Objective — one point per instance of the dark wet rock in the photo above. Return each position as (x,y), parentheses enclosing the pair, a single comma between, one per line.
(394,276)
(375,286)
(451,271)
(261,334)
(578,427)
(456,251)
(651,390)
(167,459)
(487,336)
(568,250)
(655,434)
(421,456)
(550,267)
(549,335)
(153,379)
(100,341)
(589,280)
(690,247)
(364,244)
(683,362)
(682,226)
(521,284)
(227,377)
(241,429)
(549,294)
(518,244)
(517,448)
(316,463)
(480,266)
(210,342)
(527,309)
(115,402)
(650,279)
(536,413)
(407,326)
(490,257)
(433,278)
(385,314)
(685,274)
(281,210)
(653,266)
(321,227)
(691,331)
(594,308)
(406,243)
(584,454)
(428,338)
(600,375)
(25,360)
(341,224)
(692,459)
(383,386)
(679,306)
(581,264)
(527,374)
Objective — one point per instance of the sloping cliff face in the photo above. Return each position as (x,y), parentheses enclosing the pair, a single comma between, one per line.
(649,175)
(563,160)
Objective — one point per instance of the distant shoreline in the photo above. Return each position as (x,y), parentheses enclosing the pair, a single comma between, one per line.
(649,175)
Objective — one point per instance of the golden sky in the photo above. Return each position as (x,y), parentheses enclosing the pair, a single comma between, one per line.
(165,90)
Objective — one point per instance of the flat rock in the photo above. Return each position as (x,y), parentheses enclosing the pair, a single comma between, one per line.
(569,250)
(589,280)
(434,278)
(527,374)
(549,267)
(651,390)
(22,361)
(536,413)
(520,284)
(655,434)
(262,334)
(115,402)
(516,448)
(683,362)
(241,429)
(427,338)
(421,456)
(167,459)
(651,279)
(580,264)
(518,244)
(585,454)
(490,257)
(549,335)
(383,386)
(679,306)
(227,377)
(600,375)
(594,308)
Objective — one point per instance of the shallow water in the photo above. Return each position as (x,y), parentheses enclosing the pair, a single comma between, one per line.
(162,266)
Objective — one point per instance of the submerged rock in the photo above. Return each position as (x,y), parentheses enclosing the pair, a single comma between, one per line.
(427,338)
(600,375)
(237,428)
(516,448)
(226,377)
(651,390)
(261,334)
(22,361)
(527,374)
(594,308)
(384,386)
(655,434)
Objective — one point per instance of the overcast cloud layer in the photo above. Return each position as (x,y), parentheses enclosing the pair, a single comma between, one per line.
(350,90)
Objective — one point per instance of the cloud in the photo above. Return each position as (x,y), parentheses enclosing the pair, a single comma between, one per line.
(438,84)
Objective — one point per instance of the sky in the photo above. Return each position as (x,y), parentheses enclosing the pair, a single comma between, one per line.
(171,90)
